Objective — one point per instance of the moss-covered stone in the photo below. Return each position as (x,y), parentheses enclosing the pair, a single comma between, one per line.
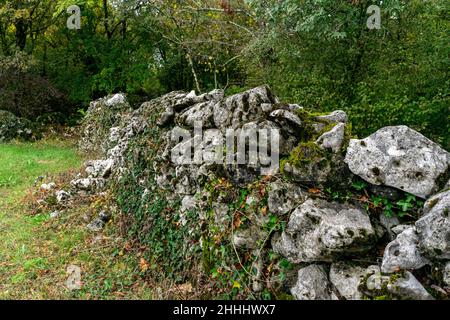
(306,153)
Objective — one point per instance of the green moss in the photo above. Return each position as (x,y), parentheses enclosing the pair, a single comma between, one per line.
(348,135)
(327,128)
(394,277)
(308,132)
(306,153)
(305,116)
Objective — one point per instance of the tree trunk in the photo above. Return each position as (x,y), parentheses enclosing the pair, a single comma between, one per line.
(21,34)
(191,63)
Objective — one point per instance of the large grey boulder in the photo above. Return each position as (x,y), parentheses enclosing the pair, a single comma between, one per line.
(346,278)
(322,231)
(433,228)
(312,284)
(403,253)
(399,157)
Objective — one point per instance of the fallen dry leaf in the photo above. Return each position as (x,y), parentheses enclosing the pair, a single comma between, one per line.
(314,190)
(143,265)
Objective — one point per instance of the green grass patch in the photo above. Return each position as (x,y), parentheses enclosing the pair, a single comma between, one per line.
(35,251)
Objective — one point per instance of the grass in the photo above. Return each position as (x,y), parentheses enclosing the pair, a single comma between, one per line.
(35,250)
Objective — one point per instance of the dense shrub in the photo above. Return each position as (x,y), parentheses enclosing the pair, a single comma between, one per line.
(321,55)
(12,127)
(25,93)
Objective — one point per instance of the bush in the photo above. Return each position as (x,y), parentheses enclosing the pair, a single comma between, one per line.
(428,116)
(12,127)
(24,92)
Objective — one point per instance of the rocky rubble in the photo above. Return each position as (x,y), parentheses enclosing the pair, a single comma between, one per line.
(338,249)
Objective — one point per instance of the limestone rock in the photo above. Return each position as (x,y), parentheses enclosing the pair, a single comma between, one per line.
(333,139)
(242,108)
(403,253)
(346,278)
(284,197)
(101,116)
(312,284)
(375,282)
(400,228)
(446,274)
(48,186)
(248,238)
(402,286)
(399,157)
(322,231)
(289,121)
(62,196)
(337,116)
(116,99)
(258,273)
(199,113)
(88,184)
(434,227)
(408,287)
(99,168)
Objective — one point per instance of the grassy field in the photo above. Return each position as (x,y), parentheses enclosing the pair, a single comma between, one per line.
(35,250)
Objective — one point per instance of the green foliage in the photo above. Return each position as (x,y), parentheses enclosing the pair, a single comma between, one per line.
(405,207)
(320,54)
(359,185)
(170,245)
(24,92)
